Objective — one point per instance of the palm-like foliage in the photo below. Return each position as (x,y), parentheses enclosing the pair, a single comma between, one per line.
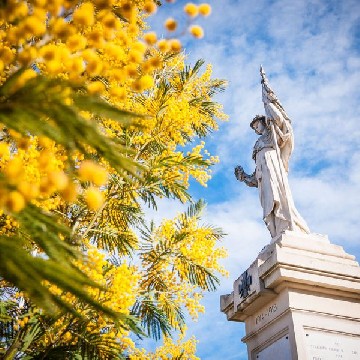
(87,346)
(157,312)
(42,107)
(151,153)
(76,170)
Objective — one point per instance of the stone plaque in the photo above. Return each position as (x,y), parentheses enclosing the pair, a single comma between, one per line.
(323,345)
(278,350)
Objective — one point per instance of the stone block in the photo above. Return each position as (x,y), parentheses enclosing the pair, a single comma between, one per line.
(300,299)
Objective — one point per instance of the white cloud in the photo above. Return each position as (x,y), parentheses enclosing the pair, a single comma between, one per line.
(308,49)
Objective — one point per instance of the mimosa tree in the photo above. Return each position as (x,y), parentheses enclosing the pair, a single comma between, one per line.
(100,119)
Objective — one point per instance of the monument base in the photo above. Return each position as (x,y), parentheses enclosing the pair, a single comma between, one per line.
(300,299)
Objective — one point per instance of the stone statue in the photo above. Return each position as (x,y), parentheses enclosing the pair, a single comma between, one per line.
(271,154)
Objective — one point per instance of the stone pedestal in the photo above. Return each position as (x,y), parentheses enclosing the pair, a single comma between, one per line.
(300,300)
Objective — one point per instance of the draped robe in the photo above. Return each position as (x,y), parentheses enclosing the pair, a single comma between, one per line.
(279,212)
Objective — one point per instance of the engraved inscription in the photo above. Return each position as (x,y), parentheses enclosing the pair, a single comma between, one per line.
(329,346)
(265,314)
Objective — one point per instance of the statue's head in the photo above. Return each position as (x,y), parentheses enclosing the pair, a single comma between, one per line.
(258,119)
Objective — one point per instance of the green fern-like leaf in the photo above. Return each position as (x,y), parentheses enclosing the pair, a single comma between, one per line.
(153,319)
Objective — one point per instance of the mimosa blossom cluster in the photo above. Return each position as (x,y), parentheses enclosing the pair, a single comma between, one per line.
(102,48)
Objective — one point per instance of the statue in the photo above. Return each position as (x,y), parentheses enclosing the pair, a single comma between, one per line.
(271,154)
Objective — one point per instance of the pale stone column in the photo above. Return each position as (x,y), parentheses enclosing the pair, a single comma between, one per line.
(300,300)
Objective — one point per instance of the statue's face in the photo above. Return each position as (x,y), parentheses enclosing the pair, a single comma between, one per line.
(259,127)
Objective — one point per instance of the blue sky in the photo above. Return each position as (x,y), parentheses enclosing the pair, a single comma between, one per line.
(310,50)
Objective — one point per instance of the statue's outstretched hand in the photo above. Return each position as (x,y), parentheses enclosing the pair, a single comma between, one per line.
(239,173)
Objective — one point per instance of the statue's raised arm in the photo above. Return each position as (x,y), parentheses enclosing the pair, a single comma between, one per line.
(276,114)
(271,154)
